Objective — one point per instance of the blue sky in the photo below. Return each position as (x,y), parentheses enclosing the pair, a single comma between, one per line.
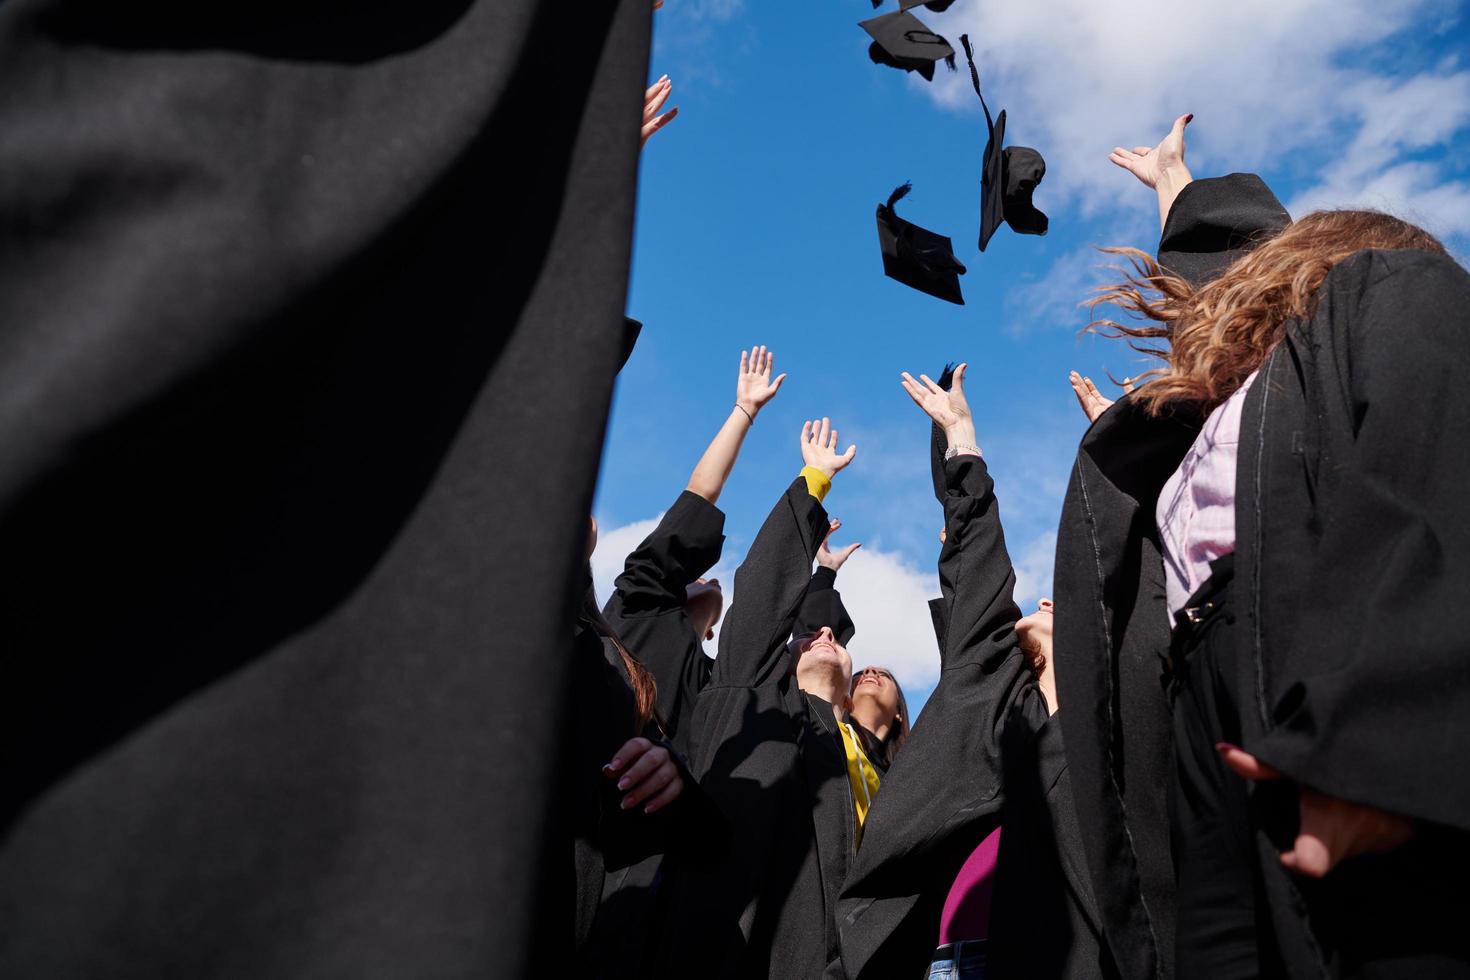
(756,225)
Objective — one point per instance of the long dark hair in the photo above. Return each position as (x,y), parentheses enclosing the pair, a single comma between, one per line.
(884,750)
(645,689)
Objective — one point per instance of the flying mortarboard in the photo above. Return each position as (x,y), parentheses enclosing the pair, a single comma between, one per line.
(938,6)
(916,256)
(900,40)
(1009,175)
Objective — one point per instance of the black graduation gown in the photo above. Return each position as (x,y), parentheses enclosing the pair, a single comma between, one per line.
(982,750)
(289,517)
(771,758)
(1352,540)
(608,840)
(647,610)
(647,606)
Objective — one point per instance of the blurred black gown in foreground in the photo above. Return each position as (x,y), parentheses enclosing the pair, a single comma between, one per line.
(309,317)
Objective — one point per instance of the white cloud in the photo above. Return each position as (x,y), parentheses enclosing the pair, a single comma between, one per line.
(888,599)
(1272,85)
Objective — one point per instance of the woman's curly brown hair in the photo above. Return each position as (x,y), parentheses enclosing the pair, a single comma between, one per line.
(1217,334)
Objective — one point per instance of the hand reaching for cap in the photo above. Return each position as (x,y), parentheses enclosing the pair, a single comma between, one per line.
(1161,167)
(819,448)
(950,410)
(653,101)
(755,386)
(828,558)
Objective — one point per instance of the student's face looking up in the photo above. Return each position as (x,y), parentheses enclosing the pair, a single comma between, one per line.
(1034,634)
(821,661)
(875,696)
(703,603)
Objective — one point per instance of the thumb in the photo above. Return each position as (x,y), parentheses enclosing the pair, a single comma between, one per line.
(847,456)
(776,385)
(1177,133)
(847,552)
(957,383)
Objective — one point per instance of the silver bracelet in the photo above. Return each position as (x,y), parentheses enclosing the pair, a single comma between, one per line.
(959,448)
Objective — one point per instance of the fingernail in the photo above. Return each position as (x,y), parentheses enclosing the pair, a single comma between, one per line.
(615,764)
(624,805)
(1225,747)
(650,808)
(624,783)
(1189,117)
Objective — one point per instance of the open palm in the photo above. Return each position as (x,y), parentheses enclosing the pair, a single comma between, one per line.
(756,386)
(948,409)
(819,448)
(1150,164)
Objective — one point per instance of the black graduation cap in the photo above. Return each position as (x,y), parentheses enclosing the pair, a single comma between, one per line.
(938,442)
(938,6)
(1009,175)
(916,256)
(900,40)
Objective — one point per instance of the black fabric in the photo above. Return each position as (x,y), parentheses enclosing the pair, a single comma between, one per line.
(938,6)
(288,516)
(918,257)
(822,606)
(1224,928)
(982,741)
(612,923)
(647,609)
(771,758)
(647,606)
(1346,459)
(1112,620)
(1215,221)
(1345,464)
(900,40)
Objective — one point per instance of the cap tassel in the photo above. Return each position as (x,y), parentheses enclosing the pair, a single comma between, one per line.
(899,193)
(949,60)
(975,79)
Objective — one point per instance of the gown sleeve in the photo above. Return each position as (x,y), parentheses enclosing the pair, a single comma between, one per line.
(647,604)
(1375,690)
(822,606)
(943,793)
(1215,221)
(769,586)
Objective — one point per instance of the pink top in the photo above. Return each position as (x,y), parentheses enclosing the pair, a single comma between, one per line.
(966,915)
(1196,511)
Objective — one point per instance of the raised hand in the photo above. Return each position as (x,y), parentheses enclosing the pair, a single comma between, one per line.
(1092,401)
(1332,830)
(1153,164)
(755,386)
(828,558)
(653,101)
(1160,167)
(819,448)
(949,409)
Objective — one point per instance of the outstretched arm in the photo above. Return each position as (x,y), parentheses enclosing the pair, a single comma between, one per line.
(771,581)
(1160,167)
(753,389)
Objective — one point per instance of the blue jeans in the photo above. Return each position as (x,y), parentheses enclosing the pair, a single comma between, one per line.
(959,961)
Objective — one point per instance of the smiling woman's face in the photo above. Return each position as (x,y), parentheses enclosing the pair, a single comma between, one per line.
(875,695)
